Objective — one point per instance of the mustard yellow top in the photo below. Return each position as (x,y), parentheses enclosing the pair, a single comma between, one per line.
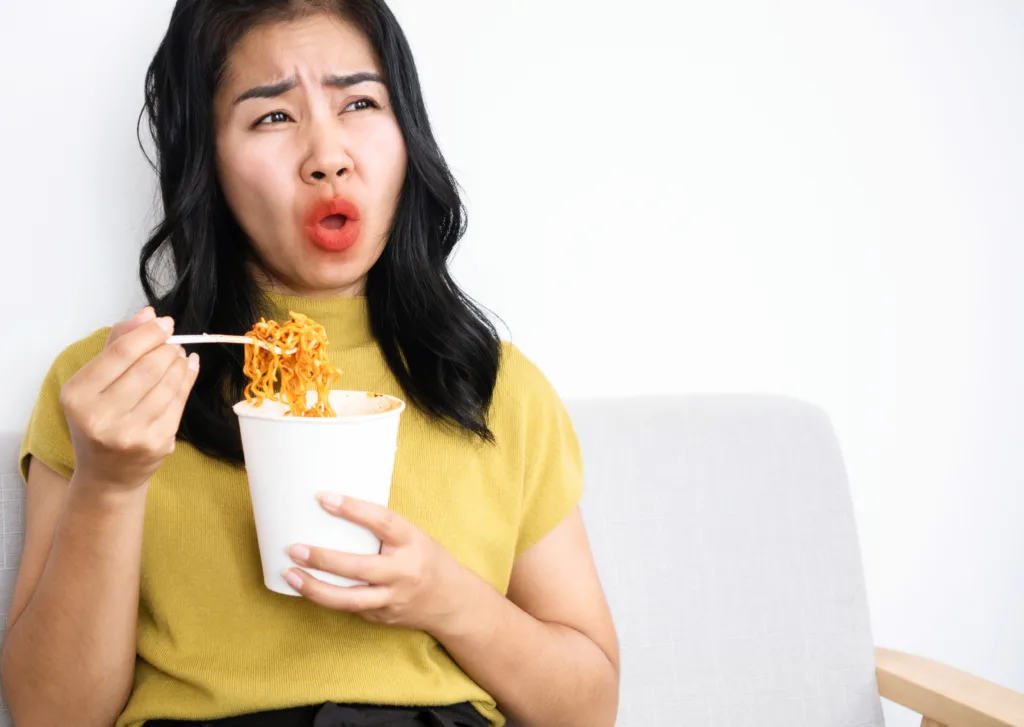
(214,642)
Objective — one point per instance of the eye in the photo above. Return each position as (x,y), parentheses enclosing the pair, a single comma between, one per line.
(271,119)
(363,103)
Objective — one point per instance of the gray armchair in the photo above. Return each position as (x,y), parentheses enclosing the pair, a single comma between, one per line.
(724,533)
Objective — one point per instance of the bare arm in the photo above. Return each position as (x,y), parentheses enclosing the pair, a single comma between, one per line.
(548,653)
(69,655)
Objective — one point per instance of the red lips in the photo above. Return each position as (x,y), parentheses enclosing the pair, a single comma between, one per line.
(333,225)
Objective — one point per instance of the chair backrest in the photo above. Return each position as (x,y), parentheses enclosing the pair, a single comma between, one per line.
(12,531)
(724,534)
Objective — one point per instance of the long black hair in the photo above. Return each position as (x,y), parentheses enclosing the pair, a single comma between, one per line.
(441,347)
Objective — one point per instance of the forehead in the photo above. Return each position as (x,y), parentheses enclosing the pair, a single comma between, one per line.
(316,45)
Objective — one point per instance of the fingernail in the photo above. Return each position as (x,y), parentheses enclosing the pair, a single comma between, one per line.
(147,313)
(299,553)
(329,499)
(181,352)
(193,362)
(166,323)
(293,579)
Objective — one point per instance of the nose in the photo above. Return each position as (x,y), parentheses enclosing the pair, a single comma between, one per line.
(317,169)
(328,159)
(320,176)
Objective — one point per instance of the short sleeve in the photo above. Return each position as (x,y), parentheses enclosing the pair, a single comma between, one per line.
(47,437)
(553,471)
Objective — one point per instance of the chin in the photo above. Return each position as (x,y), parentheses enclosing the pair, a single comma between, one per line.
(308,271)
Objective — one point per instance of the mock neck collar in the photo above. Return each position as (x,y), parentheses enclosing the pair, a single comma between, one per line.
(345,319)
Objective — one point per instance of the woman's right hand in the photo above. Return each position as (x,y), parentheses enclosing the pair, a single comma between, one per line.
(124,407)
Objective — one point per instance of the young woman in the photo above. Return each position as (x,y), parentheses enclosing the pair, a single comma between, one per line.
(298,171)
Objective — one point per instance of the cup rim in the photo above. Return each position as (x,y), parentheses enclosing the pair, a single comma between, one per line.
(244,410)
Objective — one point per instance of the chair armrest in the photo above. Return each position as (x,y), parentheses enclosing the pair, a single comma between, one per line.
(946,695)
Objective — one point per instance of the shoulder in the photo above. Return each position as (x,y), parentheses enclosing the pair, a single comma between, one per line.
(47,437)
(78,354)
(529,418)
(521,383)
(523,394)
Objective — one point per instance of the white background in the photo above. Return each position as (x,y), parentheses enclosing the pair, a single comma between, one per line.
(821,199)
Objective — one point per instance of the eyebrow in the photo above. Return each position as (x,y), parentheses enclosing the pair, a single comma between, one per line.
(273,90)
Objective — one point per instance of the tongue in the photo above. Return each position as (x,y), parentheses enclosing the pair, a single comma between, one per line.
(334,222)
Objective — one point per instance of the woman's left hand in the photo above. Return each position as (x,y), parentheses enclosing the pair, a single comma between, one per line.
(414,582)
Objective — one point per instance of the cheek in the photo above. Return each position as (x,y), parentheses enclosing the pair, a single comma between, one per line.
(385,161)
(258,180)
(255,183)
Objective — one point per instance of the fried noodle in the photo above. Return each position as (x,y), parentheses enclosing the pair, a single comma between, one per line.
(287,377)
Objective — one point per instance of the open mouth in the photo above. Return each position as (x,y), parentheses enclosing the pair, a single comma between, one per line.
(333,225)
(334,222)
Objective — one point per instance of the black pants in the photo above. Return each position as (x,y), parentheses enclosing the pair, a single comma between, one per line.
(336,715)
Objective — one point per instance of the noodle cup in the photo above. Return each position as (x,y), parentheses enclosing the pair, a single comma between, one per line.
(290,460)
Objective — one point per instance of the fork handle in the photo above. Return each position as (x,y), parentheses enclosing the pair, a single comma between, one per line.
(220,338)
(208,338)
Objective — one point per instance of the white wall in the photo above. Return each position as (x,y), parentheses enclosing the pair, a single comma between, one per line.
(817,199)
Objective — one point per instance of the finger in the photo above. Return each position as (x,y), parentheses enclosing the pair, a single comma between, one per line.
(387,525)
(171,416)
(154,404)
(123,353)
(143,376)
(144,316)
(375,569)
(352,599)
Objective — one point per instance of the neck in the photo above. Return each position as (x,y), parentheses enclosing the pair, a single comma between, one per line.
(275,285)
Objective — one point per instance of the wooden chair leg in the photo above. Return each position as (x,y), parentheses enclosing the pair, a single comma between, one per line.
(930,723)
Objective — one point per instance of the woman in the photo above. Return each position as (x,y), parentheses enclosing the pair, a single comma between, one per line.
(298,171)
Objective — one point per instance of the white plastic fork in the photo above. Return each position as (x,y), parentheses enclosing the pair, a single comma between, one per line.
(218,338)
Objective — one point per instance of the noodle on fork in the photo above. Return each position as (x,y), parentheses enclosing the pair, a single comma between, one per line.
(286,378)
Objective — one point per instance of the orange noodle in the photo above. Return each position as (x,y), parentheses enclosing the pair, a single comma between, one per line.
(287,377)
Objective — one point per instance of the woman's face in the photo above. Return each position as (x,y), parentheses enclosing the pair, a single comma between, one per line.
(309,154)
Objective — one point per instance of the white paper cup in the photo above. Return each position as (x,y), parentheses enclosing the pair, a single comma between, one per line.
(289,460)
